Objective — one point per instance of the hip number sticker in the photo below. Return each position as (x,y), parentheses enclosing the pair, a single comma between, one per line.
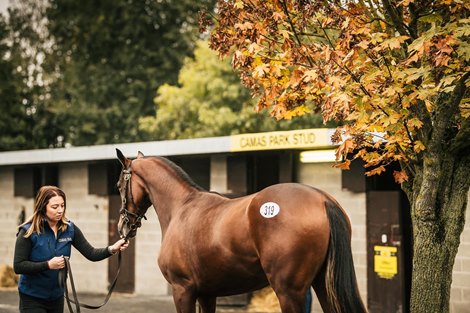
(269,209)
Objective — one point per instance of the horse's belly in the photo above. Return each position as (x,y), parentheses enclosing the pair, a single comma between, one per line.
(215,275)
(227,284)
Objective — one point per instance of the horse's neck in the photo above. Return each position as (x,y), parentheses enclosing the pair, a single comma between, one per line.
(168,204)
(167,192)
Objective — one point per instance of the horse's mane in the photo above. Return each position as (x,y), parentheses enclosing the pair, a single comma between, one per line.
(180,173)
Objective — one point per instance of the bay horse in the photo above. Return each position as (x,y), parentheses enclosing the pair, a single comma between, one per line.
(290,236)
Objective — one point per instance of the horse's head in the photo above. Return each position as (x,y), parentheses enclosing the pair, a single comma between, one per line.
(134,198)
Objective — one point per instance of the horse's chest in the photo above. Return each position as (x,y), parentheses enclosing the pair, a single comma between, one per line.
(176,250)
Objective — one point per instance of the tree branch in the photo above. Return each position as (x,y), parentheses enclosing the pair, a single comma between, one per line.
(413,27)
(460,143)
(395,17)
(299,42)
(447,106)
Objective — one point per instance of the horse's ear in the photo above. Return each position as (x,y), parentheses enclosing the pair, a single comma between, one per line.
(124,161)
(140,155)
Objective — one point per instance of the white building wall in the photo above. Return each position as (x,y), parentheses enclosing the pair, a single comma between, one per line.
(90,214)
(10,208)
(148,277)
(323,176)
(460,290)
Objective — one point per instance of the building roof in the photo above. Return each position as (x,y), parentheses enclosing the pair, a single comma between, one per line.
(296,139)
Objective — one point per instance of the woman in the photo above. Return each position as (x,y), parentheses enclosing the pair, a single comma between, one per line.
(42,242)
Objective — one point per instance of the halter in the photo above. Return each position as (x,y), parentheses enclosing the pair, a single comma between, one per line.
(124,212)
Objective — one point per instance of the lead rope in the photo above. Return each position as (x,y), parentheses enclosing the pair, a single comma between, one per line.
(68,270)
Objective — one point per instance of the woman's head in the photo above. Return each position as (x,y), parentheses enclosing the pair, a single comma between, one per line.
(49,204)
(49,197)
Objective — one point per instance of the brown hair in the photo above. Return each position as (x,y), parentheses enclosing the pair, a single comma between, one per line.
(43,196)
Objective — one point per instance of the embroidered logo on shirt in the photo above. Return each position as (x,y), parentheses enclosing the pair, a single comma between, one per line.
(65,239)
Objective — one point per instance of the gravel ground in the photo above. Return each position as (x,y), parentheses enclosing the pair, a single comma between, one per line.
(118,303)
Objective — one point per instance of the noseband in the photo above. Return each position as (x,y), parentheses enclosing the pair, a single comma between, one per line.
(124,212)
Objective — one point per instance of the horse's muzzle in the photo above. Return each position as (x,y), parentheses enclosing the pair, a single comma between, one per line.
(131,234)
(126,232)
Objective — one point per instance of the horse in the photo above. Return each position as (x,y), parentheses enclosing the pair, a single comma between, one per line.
(290,236)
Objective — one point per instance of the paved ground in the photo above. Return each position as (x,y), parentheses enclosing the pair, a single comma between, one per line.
(119,303)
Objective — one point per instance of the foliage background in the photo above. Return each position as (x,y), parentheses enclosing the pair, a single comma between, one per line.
(99,72)
(86,71)
(209,100)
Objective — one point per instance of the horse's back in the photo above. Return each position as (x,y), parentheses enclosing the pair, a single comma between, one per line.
(290,203)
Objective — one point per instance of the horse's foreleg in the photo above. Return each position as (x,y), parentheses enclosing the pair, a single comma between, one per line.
(184,299)
(208,304)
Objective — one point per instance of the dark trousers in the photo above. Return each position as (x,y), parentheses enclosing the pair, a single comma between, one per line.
(308,301)
(30,304)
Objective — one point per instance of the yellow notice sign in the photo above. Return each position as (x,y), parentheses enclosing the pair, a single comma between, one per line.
(293,139)
(385,261)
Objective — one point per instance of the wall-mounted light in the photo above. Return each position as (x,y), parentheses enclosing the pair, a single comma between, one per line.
(318,156)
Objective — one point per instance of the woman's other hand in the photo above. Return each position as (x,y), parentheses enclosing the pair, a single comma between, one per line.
(119,245)
(56,263)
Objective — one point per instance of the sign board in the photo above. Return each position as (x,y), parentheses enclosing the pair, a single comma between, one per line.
(385,261)
(293,139)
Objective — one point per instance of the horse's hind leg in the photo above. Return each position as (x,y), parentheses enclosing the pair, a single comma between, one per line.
(291,280)
(320,290)
(291,275)
(292,301)
(291,289)
(185,300)
(208,304)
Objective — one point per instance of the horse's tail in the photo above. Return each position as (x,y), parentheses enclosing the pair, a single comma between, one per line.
(340,277)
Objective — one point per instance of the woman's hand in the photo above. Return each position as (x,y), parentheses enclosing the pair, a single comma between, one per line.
(56,263)
(119,245)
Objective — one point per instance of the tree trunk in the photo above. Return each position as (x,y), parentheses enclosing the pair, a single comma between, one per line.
(438,202)
(432,270)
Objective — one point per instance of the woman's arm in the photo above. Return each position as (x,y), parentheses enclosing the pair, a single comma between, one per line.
(21,262)
(86,249)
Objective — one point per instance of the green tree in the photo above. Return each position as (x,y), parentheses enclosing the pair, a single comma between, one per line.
(28,38)
(97,64)
(209,100)
(14,121)
(397,74)
(112,55)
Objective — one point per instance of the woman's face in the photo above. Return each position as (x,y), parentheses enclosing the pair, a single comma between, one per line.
(55,209)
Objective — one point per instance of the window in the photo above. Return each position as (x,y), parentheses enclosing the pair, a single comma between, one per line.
(29,179)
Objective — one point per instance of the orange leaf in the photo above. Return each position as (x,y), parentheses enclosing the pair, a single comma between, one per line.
(346,147)
(418,146)
(343,165)
(376,171)
(400,176)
